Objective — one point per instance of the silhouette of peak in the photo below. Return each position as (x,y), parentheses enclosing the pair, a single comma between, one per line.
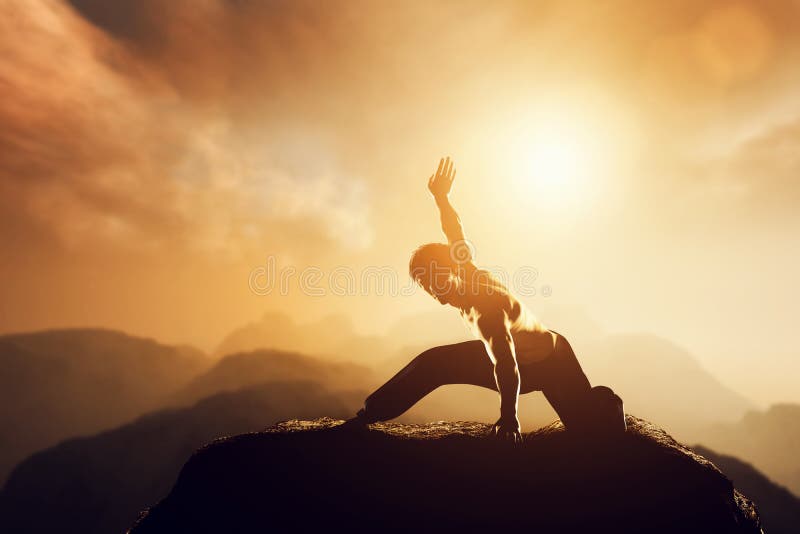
(779,508)
(311,475)
(57,384)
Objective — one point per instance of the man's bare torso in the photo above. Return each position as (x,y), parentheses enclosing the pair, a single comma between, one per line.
(532,341)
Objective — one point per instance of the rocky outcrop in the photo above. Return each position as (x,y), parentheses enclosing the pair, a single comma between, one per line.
(314,476)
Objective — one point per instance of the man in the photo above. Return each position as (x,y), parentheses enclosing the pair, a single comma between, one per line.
(513,354)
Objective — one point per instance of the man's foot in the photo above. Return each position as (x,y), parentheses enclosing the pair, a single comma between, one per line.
(357,423)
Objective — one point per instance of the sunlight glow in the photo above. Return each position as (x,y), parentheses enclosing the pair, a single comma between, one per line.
(556,158)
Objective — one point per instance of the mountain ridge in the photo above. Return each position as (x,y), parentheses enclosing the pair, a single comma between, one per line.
(62,383)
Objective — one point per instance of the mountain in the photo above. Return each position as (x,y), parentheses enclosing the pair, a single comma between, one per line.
(332,337)
(236,371)
(62,383)
(312,476)
(662,382)
(99,484)
(768,439)
(778,507)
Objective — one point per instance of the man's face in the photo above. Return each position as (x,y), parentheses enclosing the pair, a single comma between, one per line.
(442,298)
(441,283)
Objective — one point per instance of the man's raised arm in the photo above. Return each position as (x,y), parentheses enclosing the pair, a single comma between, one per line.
(439,185)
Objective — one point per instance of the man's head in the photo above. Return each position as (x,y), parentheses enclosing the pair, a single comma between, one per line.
(433,268)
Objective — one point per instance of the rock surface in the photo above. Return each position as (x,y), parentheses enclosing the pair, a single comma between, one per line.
(311,475)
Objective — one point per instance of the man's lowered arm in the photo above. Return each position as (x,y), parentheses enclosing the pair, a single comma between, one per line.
(500,346)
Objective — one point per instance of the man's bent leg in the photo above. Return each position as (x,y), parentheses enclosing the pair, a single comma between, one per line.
(460,363)
(596,410)
(565,385)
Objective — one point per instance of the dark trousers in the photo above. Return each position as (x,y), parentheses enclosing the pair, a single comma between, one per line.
(559,377)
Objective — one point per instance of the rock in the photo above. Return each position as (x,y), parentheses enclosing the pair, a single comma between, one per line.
(313,476)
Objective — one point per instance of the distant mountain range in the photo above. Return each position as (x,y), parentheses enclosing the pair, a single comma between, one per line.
(99,484)
(662,382)
(333,337)
(110,377)
(778,507)
(769,439)
(244,369)
(64,383)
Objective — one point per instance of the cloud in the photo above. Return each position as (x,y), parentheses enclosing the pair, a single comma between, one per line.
(154,140)
(765,170)
(106,135)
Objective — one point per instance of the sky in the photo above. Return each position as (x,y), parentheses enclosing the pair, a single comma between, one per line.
(636,162)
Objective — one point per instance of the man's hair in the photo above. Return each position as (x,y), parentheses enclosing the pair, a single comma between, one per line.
(427,258)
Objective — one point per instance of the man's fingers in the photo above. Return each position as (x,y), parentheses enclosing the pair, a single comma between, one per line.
(451,170)
(506,435)
(445,170)
(510,435)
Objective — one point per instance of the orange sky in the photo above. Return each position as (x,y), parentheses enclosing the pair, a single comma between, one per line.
(153,154)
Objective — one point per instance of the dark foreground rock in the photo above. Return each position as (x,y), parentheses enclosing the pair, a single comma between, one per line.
(309,475)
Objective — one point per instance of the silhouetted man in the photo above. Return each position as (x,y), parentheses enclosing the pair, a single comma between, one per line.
(513,354)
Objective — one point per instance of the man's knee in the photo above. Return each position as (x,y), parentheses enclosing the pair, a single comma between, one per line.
(430,356)
(434,359)
(603,412)
(609,408)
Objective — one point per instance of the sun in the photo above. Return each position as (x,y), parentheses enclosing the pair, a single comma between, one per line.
(552,164)
(554,160)
(568,157)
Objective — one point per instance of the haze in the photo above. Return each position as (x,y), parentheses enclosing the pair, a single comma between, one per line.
(642,158)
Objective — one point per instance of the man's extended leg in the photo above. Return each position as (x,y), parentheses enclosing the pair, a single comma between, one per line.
(460,363)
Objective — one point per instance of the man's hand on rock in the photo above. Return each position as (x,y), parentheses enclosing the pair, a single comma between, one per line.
(507,429)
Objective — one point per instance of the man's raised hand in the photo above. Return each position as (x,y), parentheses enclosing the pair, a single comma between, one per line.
(440,182)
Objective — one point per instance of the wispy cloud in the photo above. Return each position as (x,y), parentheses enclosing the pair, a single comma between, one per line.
(108,133)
